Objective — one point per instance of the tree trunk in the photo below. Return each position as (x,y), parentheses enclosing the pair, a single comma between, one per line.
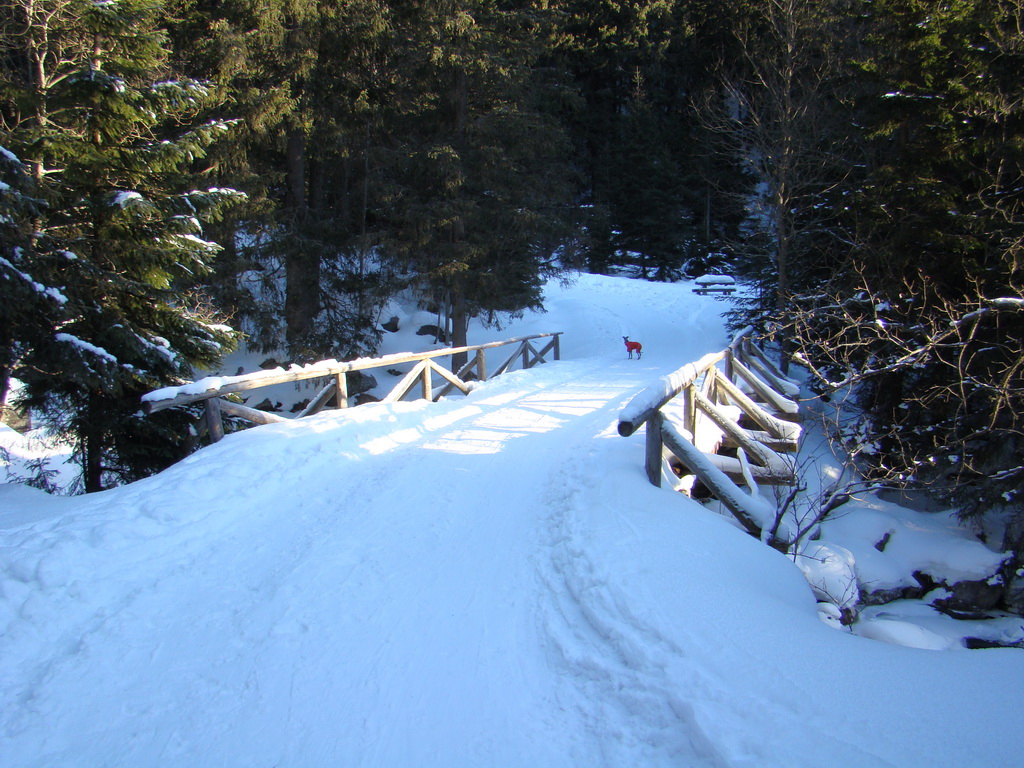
(460,329)
(302,268)
(782,290)
(5,388)
(7,361)
(302,299)
(91,435)
(295,170)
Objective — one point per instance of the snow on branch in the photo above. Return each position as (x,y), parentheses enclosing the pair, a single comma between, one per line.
(48,291)
(913,355)
(85,346)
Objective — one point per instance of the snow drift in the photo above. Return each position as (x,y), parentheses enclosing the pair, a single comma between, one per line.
(484,581)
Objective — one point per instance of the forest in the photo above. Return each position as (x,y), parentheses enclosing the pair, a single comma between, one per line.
(178,177)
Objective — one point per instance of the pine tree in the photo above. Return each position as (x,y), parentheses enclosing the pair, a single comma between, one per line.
(115,144)
(32,306)
(647,203)
(313,84)
(926,315)
(778,115)
(486,193)
(641,68)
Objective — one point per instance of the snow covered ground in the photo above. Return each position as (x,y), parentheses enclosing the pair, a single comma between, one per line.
(483,581)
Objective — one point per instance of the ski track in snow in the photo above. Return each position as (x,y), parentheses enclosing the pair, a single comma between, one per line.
(279,624)
(306,630)
(484,581)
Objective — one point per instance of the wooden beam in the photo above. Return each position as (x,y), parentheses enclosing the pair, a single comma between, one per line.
(762,388)
(457,380)
(505,366)
(402,388)
(218,386)
(763,454)
(755,351)
(250,414)
(781,429)
(317,403)
(654,449)
(453,380)
(779,383)
(777,444)
(214,424)
(537,357)
(654,398)
(735,467)
(716,481)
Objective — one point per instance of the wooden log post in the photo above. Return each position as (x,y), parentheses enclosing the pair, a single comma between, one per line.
(427,388)
(213,420)
(341,389)
(654,447)
(690,410)
(481,365)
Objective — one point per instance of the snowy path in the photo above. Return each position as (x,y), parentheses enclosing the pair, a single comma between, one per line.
(392,602)
(486,581)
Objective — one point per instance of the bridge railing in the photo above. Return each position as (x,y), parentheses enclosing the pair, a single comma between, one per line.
(720,427)
(214,389)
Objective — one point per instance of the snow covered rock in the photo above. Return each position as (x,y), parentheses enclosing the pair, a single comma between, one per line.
(970,596)
(902,554)
(1014,597)
(360,382)
(432,330)
(904,633)
(831,572)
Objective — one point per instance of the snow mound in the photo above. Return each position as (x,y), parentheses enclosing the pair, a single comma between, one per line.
(484,581)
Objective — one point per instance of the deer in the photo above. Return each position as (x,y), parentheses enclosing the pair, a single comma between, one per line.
(633,346)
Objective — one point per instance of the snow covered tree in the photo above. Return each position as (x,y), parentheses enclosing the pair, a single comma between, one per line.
(638,67)
(924,318)
(777,113)
(115,145)
(314,85)
(31,306)
(485,192)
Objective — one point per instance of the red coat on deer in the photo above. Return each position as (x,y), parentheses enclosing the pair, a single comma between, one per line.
(632,346)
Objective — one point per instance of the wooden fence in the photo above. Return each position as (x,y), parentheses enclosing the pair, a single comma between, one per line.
(722,426)
(213,389)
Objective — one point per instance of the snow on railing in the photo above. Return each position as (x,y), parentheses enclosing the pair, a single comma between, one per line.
(213,389)
(703,446)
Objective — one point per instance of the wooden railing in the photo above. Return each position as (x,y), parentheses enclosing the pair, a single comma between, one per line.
(721,426)
(213,389)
